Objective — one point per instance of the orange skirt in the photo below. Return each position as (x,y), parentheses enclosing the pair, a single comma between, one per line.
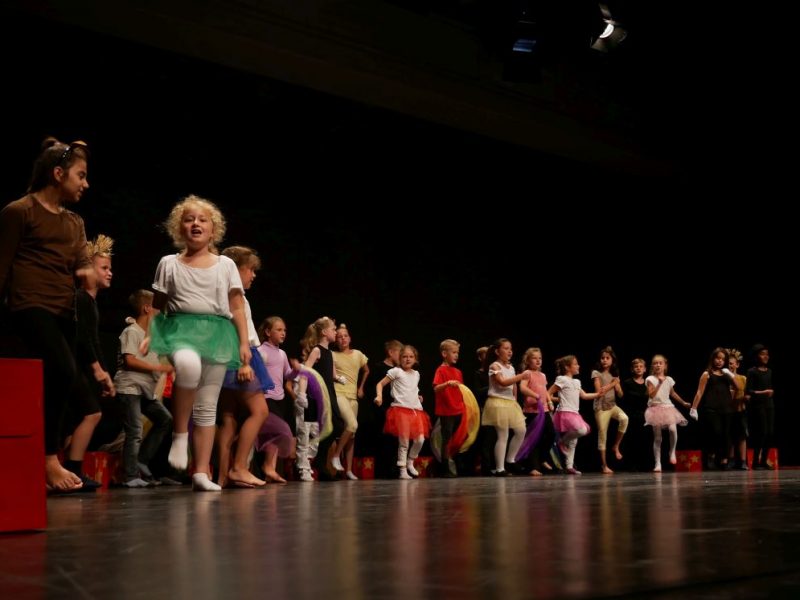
(407,423)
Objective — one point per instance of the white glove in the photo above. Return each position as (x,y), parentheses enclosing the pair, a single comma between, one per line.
(341,379)
(302,401)
(693,413)
(727,372)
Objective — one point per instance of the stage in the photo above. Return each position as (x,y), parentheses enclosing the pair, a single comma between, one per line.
(698,535)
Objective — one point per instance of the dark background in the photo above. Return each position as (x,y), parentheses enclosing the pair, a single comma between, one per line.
(405,229)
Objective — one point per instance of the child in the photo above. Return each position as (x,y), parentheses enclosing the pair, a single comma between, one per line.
(502,410)
(715,389)
(352,366)
(42,251)
(660,413)
(317,355)
(405,418)
(273,331)
(238,393)
(90,357)
(739,417)
(568,422)
(634,390)
(135,381)
(537,408)
(450,405)
(203,331)
(381,444)
(605,407)
(761,405)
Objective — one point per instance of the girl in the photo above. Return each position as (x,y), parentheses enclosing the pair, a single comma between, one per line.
(739,417)
(605,407)
(716,390)
(660,413)
(501,410)
(203,331)
(42,250)
(89,354)
(567,421)
(634,391)
(352,365)
(762,406)
(405,418)
(247,394)
(537,405)
(273,331)
(317,355)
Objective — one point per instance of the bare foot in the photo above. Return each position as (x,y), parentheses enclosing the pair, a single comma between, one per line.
(606,470)
(536,473)
(244,478)
(673,460)
(547,466)
(617,453)
(57,478)
(273,476)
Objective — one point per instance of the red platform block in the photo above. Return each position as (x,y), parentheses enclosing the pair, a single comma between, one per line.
(772,458)
(364,467)
(689,461)
(23,504)
(426,466)
(104,468)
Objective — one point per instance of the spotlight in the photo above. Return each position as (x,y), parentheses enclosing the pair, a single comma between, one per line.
(613,33)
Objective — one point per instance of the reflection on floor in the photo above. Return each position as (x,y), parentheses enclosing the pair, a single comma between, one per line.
(717,535)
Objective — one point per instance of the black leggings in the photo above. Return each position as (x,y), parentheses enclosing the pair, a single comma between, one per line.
(52,339)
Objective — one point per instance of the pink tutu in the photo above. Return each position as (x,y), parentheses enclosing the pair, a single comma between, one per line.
(407,423)
(565,421)
(663,415)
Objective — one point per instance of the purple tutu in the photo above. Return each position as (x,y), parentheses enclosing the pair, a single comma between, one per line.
(663,415)
(275,432)
(261,381)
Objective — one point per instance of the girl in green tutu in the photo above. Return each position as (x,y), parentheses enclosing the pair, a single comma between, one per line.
(202,328)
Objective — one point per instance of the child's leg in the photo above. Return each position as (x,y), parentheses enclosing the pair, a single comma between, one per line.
(402,457)
(516,442)
(258,412)
(226,434)
(570,440)
(500,447)
(673,443)
(132,425)
(303,464)
(80,441)
(162,423)
(204,416)
(413,453)
(657,448)
(602,417)
(188,369)
(271,463)
(621,418)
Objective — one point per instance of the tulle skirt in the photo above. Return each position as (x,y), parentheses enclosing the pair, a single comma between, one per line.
(213,337)
(663,415)
(407,423)
(275,432)
(261,381)
(565,421)
(502,413)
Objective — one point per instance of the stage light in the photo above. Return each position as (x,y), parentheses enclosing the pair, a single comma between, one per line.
(613,33)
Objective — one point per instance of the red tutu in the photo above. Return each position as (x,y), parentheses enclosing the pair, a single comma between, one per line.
(407,423)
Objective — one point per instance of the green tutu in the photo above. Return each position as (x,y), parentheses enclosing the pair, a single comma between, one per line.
(213,337)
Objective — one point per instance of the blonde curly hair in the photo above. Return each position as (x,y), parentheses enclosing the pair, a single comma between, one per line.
(100,246)
(173,222)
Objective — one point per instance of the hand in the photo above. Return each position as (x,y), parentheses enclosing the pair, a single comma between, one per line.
(244,354)
(341,379)
(452,383)
(360,393)
(378,400)
(693,413)
(727,371)
(296,364)
(166,368)
(768,393)
(245,373)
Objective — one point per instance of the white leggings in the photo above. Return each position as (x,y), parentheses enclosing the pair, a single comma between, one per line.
(193,373)
(570,440)
(673,441)
(501,445)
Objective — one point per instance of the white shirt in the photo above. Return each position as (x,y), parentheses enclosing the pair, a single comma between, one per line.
(405,388)
(199,291)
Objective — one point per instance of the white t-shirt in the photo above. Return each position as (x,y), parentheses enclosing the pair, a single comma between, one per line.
(405,388)
(569,393)
(501,391)
(662,395)
(252,334)
(197,291)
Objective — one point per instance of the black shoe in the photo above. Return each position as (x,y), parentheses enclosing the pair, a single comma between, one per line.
(89,485)
(502,473)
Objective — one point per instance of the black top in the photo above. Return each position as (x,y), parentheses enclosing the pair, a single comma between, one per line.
(634,396)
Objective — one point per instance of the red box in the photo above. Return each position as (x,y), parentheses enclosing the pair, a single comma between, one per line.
(104,468)
(689,461)
(364,467)
(772,458)
(426,466)
(23,503)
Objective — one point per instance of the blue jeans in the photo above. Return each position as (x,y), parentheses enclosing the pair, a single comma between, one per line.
(135,451)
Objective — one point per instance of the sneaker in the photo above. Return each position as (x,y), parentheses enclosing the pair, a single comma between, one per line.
(89,485)
(305,475)
(135,483)
(502,473)
(404,474)
(169,481)
(144,470)
(410,468)
(152,481)
(351,476)
(337,463)
(452,471)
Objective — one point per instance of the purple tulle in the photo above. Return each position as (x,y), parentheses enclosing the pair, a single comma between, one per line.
(275,431)
(261,381)
(533,433)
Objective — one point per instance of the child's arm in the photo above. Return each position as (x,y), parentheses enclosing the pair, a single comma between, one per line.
(652,390)
(313,357)
(701,388)
(505,382)
(142,366)
(160,303)
(236,302)
(363,379)
(674,395)
(379,390)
